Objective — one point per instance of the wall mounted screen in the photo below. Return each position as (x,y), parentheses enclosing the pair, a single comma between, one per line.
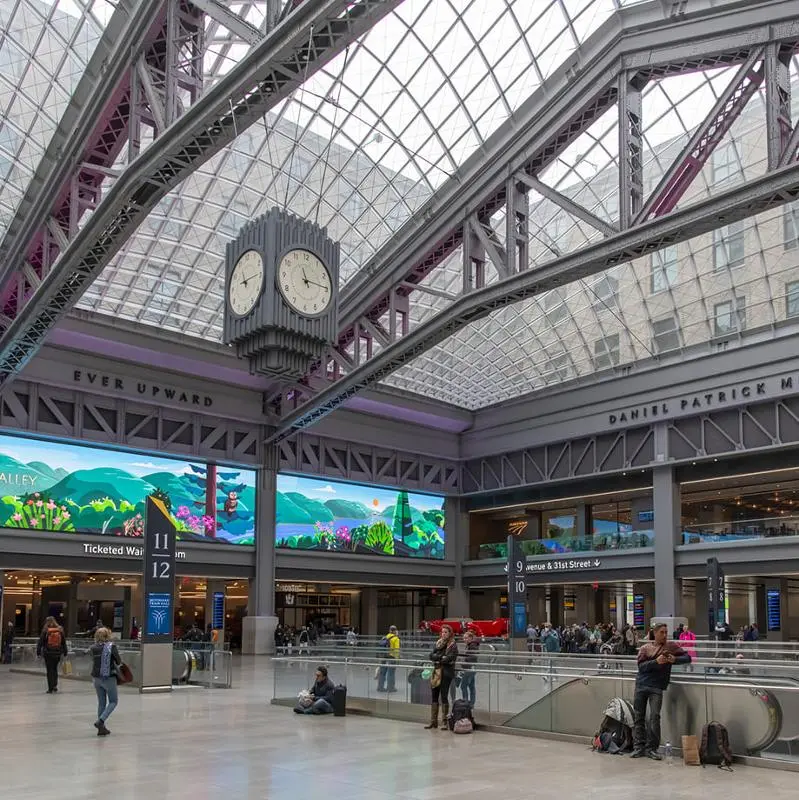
(316,514)
(50,486)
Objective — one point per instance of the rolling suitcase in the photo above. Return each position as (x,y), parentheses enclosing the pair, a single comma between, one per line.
(340,701)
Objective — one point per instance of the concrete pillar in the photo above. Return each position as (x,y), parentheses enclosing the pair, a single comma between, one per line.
(584,523)
(127,612)
(641,511)
(537,605)
(35,622)
(258,627)
(72,606)
(668,509)
(585,606)
(456,548)
(621,610)
(369,612)
(556,606)
(533,530)
(701,624)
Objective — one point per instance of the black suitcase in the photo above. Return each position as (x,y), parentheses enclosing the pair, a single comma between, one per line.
(340,701)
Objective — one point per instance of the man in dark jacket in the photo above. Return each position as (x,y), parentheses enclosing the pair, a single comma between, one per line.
(321,695)
(655,660)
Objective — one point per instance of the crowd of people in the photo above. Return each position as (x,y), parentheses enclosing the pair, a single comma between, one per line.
(602,638)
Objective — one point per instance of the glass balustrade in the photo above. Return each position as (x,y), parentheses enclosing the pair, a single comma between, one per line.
(626,540)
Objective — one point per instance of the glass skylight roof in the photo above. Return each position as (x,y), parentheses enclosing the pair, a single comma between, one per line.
(364,143)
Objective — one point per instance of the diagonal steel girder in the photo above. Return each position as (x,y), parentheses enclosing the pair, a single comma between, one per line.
(638,41)
(309,38)
(91,130)
(759,195)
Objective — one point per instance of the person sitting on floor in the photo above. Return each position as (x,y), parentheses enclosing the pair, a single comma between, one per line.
(321,695)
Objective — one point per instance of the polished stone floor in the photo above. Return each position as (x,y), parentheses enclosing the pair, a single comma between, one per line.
(218,745)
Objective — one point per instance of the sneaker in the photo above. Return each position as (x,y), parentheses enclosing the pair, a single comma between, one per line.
(102,730)
(654,755)
(637,754)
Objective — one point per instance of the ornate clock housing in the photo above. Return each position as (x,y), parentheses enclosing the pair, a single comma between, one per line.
(281,294)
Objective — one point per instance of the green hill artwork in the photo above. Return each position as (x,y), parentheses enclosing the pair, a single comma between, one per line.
(69,488)
(395,523)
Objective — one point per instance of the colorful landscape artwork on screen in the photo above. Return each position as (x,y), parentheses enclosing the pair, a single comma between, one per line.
(50,486)
(316,514)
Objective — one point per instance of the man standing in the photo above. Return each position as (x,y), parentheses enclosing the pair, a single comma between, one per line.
(655,660)
(386,676)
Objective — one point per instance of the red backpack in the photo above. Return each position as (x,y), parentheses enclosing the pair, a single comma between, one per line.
(54,639)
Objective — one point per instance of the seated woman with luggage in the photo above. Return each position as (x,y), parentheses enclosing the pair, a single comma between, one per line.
(319,699)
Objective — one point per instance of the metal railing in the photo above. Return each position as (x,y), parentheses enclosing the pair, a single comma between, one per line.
(757,700)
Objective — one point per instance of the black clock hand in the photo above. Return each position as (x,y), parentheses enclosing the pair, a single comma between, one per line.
(320,285)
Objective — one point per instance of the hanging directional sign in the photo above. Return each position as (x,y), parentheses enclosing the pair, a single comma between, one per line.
(517,588)
(558,564)
(159,573)
(716,596)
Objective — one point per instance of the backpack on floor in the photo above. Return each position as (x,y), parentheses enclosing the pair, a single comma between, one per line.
(613,737)
(715,746)
(463,726)
(460,710)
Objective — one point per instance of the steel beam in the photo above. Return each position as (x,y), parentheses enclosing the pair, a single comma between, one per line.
(762,194)
(631,147)
(778,101)
(637,40)
(700,147)
(78,134)
(237,25)
(568,205)
(310,38)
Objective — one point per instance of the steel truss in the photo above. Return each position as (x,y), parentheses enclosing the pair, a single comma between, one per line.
(316,455)
(50,411)
(611,69)
(163,82)
(759,427)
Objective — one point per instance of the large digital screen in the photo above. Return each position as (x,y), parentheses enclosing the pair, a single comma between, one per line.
(315,514)
(50,486)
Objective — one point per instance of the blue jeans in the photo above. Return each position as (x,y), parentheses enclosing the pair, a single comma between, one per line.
(320,706)
(386,679)
(107,696)
(468,691)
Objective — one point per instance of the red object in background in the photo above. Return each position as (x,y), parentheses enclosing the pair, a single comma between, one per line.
(484,627)
(595,585)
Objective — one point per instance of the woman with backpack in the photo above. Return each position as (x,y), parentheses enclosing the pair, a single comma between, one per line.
(444,656)
(52,646)
(105,663)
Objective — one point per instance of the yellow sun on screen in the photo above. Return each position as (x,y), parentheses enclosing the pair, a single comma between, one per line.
(375,502)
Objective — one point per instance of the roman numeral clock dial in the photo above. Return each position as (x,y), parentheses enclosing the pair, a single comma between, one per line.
(305,283)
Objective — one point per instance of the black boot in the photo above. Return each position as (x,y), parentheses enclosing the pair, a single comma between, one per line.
(445,717)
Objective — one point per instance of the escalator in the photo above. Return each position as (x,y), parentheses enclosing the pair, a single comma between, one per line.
(753,714)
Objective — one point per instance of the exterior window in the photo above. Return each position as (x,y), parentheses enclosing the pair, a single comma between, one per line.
(666,335)
(726,164)
(790,226)
(606,351)
(664,268)
(729,317)
(605,293)
(792,299)
(728,245)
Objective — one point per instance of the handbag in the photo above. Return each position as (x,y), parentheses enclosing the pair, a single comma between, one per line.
(124,674)
(435,678)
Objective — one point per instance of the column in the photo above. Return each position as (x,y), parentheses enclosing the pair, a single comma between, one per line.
(667,508)
(621,610)
(258,627)
(537,605)
(584,522)
(369,612)
(72,606)
(585,604)
(127,612)
(556,606)
(641,513)
(456,548)
(35,621)
(701,624)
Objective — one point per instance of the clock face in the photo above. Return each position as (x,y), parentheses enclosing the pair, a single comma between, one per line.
(246,283)
(305,282)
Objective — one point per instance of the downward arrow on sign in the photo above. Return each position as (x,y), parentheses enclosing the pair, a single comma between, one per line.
(597,562)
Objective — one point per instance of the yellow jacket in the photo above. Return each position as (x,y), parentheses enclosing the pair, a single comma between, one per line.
(393,645)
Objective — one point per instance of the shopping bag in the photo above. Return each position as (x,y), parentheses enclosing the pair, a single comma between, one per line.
(690,751)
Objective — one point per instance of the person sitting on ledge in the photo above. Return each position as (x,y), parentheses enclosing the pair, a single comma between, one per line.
(321,695)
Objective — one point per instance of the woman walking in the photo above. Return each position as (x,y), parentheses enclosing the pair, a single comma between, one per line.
(105,662)
(444,656)
(52,645)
